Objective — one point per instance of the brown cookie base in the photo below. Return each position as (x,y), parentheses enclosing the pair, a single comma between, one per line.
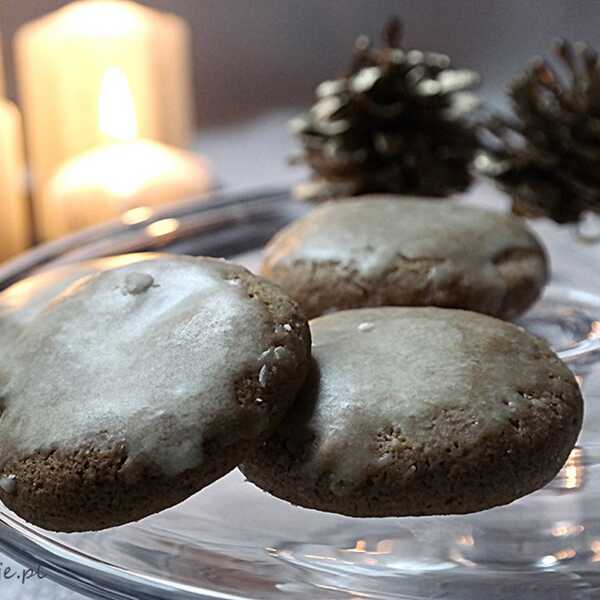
(324,287)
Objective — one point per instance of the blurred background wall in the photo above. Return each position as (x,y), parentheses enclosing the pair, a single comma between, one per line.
(253,56)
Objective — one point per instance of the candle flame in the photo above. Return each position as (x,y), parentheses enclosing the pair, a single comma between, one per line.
(116,111)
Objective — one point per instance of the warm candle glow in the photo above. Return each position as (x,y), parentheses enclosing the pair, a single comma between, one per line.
(126,169)
(98,71)
(116,112)
(120,178)
(14,215)
(123,179)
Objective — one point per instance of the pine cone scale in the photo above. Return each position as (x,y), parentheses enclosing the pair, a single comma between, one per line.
(548,158)
(398,122)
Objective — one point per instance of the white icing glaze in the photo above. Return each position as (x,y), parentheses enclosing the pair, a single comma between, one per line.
(263,376)
(371,233)
(417,366)
(21,302)
(155,369)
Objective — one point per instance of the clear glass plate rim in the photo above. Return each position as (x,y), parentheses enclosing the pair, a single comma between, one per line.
(74,567)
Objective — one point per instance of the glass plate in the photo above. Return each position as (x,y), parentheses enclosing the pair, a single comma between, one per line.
(232,541)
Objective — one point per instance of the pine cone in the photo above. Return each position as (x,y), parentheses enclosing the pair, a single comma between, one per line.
(547,158)
(396,123)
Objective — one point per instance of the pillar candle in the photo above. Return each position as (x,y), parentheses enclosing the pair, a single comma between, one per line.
(122,175)
(14,215)
(61,61)
(109,181)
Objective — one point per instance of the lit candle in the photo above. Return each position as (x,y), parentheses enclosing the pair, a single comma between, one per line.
(61,59)
(130,175)
(14,216)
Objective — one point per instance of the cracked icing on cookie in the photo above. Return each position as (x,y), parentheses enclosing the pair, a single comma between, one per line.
(155,367)
(422,379)
(459,245)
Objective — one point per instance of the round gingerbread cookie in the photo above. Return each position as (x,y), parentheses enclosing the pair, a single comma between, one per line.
(421,411)
(139,386)
(393,251)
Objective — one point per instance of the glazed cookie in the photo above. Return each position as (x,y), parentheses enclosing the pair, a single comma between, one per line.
(141,385)
(389,251)
(421,411)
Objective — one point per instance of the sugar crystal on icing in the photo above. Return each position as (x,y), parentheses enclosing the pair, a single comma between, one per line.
(263,376)
(267,356)
(281,353)
(272,355)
